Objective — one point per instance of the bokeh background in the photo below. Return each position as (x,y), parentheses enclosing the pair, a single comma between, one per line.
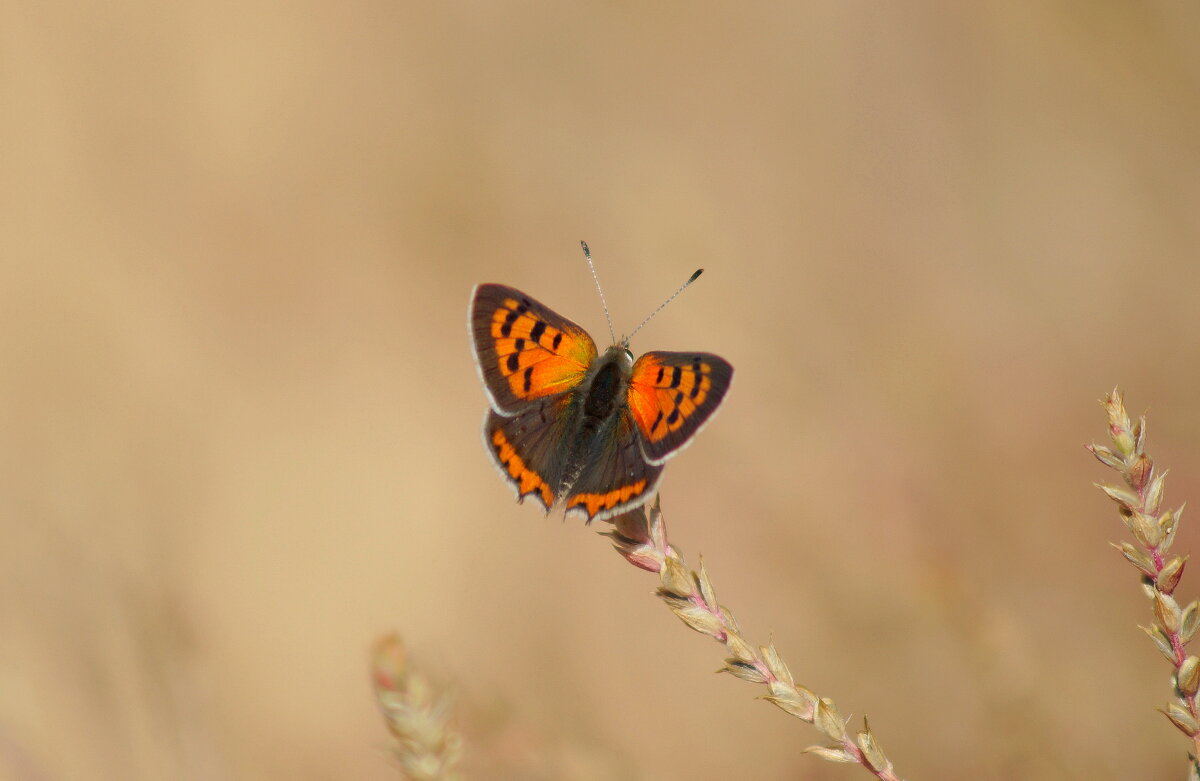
(240,417)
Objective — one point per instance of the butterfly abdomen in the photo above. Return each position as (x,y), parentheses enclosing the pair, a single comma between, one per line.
(596,418)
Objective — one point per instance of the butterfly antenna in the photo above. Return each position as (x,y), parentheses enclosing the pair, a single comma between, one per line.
(588,254)
(682,288)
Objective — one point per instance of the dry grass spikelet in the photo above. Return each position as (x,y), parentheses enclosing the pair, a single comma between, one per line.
(641,537)
(416,713)
(1153,528)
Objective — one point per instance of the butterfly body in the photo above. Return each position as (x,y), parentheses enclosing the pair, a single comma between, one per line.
(568,425)
(603,391)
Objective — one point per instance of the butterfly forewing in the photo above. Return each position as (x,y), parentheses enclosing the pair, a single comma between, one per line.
(672,395)
(525,350)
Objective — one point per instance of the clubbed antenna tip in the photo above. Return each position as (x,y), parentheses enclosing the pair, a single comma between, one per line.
(682,288)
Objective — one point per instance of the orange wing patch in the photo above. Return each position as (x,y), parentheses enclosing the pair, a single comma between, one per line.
(671,395)
(524,479)
(596,503)
(662,396)
(536,358)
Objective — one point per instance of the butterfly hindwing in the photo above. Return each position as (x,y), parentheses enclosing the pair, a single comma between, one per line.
(616,476)
(527,447)
(671,395)
(525,351)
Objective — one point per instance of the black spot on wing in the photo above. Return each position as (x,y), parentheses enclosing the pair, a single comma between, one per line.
(506,326)
(539,328)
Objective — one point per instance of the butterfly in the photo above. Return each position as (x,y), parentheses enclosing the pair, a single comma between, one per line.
(567,424)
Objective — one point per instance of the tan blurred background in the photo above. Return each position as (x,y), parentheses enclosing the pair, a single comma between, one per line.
(240,418)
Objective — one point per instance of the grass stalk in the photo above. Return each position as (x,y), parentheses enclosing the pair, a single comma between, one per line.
(1140,504)
(641,537)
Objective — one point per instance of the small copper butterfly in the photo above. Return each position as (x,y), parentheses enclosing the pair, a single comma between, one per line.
(567,424)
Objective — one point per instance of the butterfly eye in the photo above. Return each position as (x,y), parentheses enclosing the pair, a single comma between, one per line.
(629,354)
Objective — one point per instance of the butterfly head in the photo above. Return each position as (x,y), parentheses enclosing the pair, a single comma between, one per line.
(623,347)
(620,354)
